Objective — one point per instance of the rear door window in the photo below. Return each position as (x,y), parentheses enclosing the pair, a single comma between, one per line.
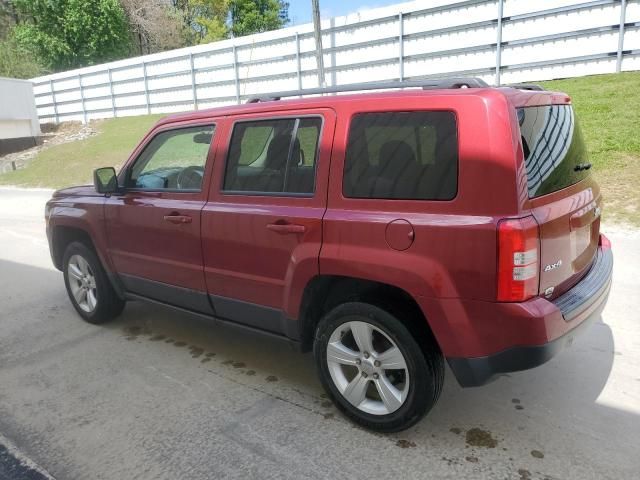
(402,155)
(273,156)
(554,152)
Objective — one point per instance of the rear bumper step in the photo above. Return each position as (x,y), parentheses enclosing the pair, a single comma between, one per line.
(583,305)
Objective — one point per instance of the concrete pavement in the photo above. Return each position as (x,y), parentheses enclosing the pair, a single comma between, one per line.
(162,395)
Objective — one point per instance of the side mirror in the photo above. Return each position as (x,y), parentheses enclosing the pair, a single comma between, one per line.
(203,137)
(105,180)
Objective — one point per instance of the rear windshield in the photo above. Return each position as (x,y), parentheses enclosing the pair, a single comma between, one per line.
(554,151)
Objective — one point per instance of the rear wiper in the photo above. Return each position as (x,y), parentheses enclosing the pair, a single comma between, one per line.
(582,166)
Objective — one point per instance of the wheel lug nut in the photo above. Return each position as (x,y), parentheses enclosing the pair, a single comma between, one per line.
(366,354)
(376,376)
(358,361)
(377,363)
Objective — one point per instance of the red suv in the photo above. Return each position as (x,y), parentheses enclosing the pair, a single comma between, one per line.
(387,232)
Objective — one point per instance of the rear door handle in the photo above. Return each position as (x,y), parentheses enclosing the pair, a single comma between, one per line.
(284,228)
(178,219)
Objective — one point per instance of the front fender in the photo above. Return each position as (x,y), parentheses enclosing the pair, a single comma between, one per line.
(81,213)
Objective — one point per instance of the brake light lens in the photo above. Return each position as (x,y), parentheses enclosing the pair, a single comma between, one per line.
(518,259)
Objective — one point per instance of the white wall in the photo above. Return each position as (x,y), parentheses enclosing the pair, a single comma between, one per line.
(541,40)
(18,115)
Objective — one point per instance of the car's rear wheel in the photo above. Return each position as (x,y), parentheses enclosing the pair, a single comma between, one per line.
(373,368)
(89,289)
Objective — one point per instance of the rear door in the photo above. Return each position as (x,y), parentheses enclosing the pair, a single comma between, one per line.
(564,198)
(262,225)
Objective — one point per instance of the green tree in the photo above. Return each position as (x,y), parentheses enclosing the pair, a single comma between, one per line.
(8,17)
(155,25)
(254,16)
(15,61)
(211,20)
(66,34)
(205,19)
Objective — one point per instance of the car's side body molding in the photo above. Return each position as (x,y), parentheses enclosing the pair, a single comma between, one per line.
(170,294)
(250,315)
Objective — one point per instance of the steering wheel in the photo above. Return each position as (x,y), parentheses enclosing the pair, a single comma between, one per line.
(190,178)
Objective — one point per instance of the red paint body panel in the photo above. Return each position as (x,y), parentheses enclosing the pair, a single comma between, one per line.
(471,328)
(143,244)
(243,258)
(448,267)
(80,208)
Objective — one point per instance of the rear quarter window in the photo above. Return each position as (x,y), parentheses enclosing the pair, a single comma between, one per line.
(402,156)
(554,152)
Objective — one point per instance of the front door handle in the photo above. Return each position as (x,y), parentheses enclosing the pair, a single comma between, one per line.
(178,219)
(284,228)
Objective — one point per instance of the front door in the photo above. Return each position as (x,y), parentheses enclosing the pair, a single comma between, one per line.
(153,228)
(262,226)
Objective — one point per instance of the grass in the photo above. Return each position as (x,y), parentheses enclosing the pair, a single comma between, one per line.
(73,163)
(608,108)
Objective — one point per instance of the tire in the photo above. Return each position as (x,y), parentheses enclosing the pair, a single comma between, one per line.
(81,261)
(417,382)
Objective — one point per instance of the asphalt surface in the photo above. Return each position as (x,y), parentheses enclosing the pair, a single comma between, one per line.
(162,395)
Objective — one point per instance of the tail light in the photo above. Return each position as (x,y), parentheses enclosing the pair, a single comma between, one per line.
(518,257)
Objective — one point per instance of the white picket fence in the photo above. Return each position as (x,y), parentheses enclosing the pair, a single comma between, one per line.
(500,41)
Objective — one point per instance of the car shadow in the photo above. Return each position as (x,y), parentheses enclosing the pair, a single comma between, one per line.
(230,345)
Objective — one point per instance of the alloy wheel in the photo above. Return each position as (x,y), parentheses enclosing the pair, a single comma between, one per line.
(368,368)
(82,283)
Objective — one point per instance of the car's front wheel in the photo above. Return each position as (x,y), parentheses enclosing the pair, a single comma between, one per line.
(89,289)
(374,369)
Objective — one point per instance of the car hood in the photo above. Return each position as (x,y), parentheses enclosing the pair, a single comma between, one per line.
(78,191)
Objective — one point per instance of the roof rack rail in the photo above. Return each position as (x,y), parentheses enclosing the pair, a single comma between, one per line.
(426,84)
(526,86)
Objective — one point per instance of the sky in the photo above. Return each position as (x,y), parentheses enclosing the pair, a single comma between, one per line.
(300,10)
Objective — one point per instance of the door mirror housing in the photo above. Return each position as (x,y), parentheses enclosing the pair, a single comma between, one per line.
(203,137)
(105,180)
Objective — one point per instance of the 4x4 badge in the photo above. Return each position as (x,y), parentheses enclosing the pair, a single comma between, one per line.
(553,266)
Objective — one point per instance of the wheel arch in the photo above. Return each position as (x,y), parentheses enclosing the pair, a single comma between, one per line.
(324,292)
(63,235)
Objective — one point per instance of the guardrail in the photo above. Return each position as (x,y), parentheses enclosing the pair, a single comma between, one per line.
(497,40)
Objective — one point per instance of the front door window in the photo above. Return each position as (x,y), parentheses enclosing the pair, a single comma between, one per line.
(173,160)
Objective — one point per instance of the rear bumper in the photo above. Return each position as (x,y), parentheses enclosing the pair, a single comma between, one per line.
(577,309)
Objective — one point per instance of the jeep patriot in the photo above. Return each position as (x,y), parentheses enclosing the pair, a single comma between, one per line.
(387,232)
